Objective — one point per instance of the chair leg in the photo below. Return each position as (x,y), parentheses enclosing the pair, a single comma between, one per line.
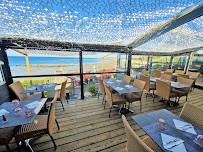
(140,104)
(153,98)
(146,94)
(53,141)
(186,99)
(104,104)
(110,112)
(18,147)
(7,147)
(98,95)
(62,106)
(103,100)
(178,99)
(57,124)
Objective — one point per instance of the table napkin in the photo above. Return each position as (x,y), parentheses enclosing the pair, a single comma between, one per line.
(33,104)
(3,112)
(127,86)
(184,126)
(119,88)
(171,145)
(109,82)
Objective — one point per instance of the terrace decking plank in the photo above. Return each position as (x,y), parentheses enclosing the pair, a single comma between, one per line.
(85,125)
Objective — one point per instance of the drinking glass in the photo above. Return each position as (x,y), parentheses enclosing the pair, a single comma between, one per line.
(28,112)
(199,140)
(161,123)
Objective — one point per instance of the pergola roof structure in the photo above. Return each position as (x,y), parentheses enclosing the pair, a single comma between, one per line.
(142,26)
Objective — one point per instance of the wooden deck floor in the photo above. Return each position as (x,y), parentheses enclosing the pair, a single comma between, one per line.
(85,125)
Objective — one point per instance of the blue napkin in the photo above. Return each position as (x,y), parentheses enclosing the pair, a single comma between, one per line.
(3,112)
(172,143)
(118,88)
(184,126)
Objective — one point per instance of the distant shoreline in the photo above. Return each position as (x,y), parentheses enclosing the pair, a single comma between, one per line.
(56,65)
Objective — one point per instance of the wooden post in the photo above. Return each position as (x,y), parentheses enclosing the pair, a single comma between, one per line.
(81,75)
(129,63)
(28,68)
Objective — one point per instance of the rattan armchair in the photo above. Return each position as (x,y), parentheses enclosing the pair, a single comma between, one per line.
(101,89)
(193,115)
(43,124)
(193,74)
(144,72)
(157,73)
(134,143)
(17,88)
(183,76)
(6,134)
(169,70)
(180,71)
(163,90)
(60,96)
(113,99)
(127,79)
(166,77)
(148,86)
(183,91)
(132,97)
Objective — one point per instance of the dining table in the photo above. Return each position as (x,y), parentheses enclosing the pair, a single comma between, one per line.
(15,112)
(176,74)
(176,135)
(173,84)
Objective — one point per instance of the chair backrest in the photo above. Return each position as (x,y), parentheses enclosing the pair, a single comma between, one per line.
(183,76)
(163,89)
(63,90)
(144,72)
(169,70)
(101,86)
(140,85)
(166,77)
(17,88)
(157,73)
(134,143)
(193,115)
(187,82)
(194,74)
(51,115)
(109,98)
(127,79)
(180,71)
(147,80)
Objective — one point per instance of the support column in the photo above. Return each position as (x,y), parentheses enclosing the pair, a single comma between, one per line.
(129,63)
(189,61)
(81,75)
(171,62)
(147,63)
(150,66)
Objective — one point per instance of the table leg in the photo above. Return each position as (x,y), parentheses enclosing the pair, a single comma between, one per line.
(45,105)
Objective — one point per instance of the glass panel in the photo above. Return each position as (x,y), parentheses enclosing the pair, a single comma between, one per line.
(160,62)
(179,62)
(1,74)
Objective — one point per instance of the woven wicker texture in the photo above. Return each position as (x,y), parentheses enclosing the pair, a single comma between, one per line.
(163,89)
(43,124)
(144,72)
(183,91)
(193,74)
(134,143)
(148,86)
(101,86)
(169,70)
(183,76)
(193,115)
(113,99)
(180,71)
(166,77)
(127,79)
(149,142)
(63,91)
(17,88)
(157,73)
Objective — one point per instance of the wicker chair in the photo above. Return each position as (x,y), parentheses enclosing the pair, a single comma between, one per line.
(112,99)
(166,77)
(193,74)
(134,143)
(144,72)
(6,134)
(17,88)
(148,86)
(127,79)
(60,97)
(180,71)
(183,76)
(157,73)
(169,70)
(132,97)
(43,124)
(163,89)
(193,115)
(183,91)
(101,89)
(168,73)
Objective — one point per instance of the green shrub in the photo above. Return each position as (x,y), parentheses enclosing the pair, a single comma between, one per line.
(93,89)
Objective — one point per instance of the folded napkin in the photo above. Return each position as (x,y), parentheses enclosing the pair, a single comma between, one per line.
(109,82)
(127,86)
(118,80)
(119,88)
(184,126)
(3,112)
(33,104)
(172,143)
